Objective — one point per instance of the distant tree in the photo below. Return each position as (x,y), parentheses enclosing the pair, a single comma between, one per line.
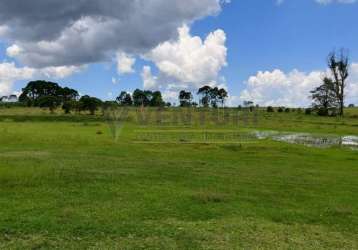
(287,110)
(125,99)
(68,106)
(214,97)
(324,97)
(156,99)
(140,98)
(185,98)
(351,105)
(205,93)
(51,102)
(168,104)
(90,103)
(67,94)
(36,90)
(248,104)
(270,109)
(339,67)
(222,96)
(281,109)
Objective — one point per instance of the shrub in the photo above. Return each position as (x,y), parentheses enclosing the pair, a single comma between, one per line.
(308,111)
(280,109)
(287,110)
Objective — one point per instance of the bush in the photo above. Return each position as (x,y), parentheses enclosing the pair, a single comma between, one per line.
(287,110)
(270,109)
(308,111)
(351,106)
(280,109)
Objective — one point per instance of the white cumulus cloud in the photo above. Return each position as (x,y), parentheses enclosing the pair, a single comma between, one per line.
(277,88)
(188,62)
(125,63)
(10,73)
(13,50)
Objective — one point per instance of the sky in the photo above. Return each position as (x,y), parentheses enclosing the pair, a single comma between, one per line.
(271,52)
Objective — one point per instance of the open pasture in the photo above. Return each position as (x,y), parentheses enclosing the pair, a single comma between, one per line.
(65,182)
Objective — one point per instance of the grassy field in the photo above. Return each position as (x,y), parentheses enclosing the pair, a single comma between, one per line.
(66,183)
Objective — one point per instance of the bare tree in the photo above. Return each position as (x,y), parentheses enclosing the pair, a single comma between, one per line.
(339,66)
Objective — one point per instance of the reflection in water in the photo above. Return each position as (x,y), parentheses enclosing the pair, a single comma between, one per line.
(309,139)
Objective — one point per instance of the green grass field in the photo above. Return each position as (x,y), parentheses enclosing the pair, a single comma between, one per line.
(66,183)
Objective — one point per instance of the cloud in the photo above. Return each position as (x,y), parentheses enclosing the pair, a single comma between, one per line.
(125,63)
(149,81)
(10,73)
(60,71)
(277,88)
(67,32)
(188,62)
(13,50)
(115,80)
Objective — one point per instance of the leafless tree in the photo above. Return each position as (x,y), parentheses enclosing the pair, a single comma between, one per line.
(338,64)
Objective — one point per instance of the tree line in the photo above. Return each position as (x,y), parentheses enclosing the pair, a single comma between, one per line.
(327,99)
(51,95)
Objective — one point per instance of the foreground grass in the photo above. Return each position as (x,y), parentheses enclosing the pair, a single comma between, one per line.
(68,185)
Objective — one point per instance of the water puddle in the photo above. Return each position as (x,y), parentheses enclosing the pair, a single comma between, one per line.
(310,140)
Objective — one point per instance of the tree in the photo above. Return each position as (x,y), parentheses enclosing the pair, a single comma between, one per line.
(140,98)
(68,94)
(214,97)
(156,99)
(270,109)
(68,106)
(125,99)
(324,97)
(148,98)
(51,102)
(338,64)
(248,104)
(35,90)
(205,96)
(90,103)
(222,95)
(185,98)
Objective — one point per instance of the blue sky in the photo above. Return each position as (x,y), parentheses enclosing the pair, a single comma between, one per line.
(287,42)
